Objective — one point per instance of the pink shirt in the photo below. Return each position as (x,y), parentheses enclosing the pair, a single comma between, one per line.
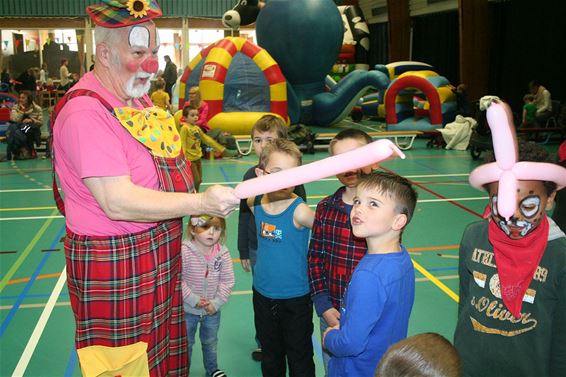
(90,142)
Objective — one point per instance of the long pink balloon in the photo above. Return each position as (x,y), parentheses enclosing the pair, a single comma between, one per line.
(355,159)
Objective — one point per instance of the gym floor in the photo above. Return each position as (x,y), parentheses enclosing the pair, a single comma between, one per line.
(37,326)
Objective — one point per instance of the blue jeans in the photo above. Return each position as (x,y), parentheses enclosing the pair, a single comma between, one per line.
(209,325)
(325,355)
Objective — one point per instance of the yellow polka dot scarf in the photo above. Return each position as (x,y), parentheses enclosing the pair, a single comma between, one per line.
(153,127)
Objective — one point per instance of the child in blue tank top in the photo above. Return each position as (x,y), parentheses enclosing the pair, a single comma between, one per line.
(282,304)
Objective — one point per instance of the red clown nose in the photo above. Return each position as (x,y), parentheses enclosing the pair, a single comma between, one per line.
(150,65)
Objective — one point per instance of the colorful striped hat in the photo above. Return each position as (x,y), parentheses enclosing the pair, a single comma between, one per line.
(121,13)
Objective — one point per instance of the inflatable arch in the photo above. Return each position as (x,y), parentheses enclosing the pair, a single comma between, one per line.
(217,60)
(438,109)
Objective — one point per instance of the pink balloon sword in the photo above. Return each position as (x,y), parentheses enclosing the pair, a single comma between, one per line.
(364,156)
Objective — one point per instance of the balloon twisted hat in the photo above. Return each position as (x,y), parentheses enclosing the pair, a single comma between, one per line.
(507,170)
(122,13)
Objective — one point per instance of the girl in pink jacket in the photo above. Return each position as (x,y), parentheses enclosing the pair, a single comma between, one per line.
(207,282)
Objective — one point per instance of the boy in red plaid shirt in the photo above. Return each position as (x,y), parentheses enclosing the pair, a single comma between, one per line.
(334,251)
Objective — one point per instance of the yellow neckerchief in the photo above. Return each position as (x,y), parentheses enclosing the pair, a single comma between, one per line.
(153,127)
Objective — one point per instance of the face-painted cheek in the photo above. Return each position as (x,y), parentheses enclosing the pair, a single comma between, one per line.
(494,211)
(530,206)
(133,67)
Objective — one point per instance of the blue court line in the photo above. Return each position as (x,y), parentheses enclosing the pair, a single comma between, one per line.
(27,296)
(442,268)
(224,174)
(69,371)
(29,284)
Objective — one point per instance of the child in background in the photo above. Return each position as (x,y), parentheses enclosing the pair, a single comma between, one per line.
(207,282)
(529,111)
(264,131)
(191,138)
(334,252)
(422,355)
(196,100)
(530,251)
(160,97)
(380,296)
(282,304)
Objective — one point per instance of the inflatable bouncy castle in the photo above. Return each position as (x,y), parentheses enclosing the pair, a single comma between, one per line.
(239,81)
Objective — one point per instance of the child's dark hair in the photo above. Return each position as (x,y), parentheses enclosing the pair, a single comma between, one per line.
(393,185)
(279,145)
(349,133)
(529,151)
(189,107)
(269,123)
(529,98)
(422,355)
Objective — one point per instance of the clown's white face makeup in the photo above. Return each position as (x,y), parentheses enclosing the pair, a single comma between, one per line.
(135,60)
(532,201)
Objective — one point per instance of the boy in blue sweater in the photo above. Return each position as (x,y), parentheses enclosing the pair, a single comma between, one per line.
(378,301)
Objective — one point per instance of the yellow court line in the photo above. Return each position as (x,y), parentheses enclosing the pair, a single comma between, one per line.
(26,209)
(436,282)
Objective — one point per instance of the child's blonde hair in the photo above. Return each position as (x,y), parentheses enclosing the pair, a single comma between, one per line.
(279,145)
(270,123)
(422,355)
(396,187)
(204,221)
(160,84)
(196,91)
(349,133)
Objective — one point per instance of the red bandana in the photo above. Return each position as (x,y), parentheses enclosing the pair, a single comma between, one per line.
(517,261)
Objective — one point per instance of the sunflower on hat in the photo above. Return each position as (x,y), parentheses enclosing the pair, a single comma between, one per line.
(121,13)
(138,8)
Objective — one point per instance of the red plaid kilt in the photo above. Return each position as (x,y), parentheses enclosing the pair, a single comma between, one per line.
(126,289)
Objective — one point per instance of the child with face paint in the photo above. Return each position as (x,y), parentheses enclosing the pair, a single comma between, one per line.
(512,309)
(207,282)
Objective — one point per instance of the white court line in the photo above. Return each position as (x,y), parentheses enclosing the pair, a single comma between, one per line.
(31,218)
(452,200)
(38,331)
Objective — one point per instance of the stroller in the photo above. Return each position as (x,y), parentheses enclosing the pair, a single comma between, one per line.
(480,140)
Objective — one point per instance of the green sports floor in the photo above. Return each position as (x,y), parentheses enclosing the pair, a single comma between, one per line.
(36,322)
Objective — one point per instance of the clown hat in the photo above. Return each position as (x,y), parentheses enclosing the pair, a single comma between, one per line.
(121,13)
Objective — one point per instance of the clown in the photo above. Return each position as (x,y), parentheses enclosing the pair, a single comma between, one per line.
(512,309)
(126,186)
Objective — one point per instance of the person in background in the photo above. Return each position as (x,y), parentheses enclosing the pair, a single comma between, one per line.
(28,116)
(126,189)
(529,111)
(207,282)
(169,74)
(196,99)
(334,251)
(422,355)
(43,75)
(160,97)
(379,299)
(543,101)
(64,75)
